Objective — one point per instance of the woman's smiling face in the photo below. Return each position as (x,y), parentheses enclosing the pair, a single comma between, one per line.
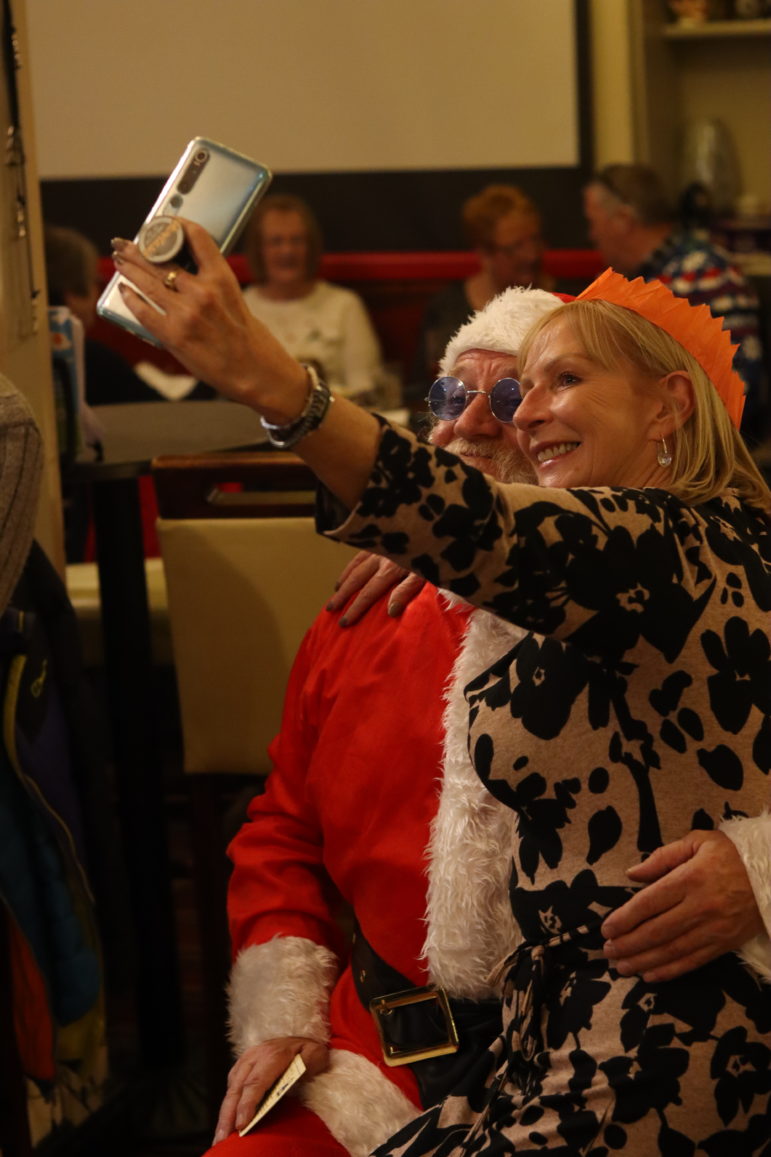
(581,424)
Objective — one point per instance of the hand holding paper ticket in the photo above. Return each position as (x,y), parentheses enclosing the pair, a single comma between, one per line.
(259,1071)
(284,1083)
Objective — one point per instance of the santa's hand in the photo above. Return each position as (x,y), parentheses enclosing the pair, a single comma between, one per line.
(698,904)
(373,578)
(256,1070)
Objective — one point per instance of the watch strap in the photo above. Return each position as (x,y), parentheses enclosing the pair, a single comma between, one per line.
(315,411)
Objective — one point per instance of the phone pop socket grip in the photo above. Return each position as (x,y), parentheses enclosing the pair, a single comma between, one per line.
(161,239)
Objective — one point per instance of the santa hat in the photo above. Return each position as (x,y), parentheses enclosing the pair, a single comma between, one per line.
(502,323)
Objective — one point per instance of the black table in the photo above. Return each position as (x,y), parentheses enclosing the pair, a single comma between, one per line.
(137,432)
(134,434)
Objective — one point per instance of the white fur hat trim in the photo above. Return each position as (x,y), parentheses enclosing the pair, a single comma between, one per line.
(501,324)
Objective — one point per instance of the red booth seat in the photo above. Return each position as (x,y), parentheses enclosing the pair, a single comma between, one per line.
(394,286)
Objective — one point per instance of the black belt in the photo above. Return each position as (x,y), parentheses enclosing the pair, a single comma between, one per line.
(436,1035)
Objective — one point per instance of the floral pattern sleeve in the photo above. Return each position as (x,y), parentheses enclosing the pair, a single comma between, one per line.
(601,567)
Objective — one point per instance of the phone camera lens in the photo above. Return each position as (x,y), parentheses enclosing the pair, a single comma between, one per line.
(193,171)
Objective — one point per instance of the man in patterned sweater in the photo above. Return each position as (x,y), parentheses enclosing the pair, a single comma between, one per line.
(632,223)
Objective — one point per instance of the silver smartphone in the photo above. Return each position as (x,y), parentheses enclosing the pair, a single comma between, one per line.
(212,185)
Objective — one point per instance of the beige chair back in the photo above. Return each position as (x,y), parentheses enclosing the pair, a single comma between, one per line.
(242,591)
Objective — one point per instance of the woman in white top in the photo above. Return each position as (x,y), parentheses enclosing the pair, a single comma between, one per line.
(318,323)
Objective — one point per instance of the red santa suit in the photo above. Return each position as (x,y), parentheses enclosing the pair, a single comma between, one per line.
(372,802)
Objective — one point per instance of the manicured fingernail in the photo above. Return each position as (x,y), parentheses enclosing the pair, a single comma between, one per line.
(119,243)
(394,610)
(117,259)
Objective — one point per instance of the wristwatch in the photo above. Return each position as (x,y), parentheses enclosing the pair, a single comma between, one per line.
(316,407)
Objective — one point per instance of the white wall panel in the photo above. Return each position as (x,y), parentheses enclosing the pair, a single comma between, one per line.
(343,85)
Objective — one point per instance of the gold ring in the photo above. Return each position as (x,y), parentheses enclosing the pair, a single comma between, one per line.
(170,280)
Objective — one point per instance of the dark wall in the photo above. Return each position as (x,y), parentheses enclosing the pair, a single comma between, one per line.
(358,211)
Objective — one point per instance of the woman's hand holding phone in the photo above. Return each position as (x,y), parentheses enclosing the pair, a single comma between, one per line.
(206,325)
(202,320)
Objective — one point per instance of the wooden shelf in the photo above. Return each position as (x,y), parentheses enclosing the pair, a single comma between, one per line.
(717,28)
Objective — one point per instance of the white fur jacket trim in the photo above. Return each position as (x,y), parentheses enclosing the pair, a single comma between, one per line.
(470,928)
(280,988)
(360,1107)
(751,837)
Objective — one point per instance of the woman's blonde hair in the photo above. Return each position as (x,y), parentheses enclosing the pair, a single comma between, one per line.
(709,454)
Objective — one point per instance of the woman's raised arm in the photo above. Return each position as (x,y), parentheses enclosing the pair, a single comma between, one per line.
(205,324)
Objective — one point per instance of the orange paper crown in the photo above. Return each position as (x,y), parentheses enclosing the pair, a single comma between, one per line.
(693,326)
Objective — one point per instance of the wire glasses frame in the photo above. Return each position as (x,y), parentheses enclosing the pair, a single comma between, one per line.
(448,397)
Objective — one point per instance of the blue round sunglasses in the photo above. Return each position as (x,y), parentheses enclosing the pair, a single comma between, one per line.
(448,398)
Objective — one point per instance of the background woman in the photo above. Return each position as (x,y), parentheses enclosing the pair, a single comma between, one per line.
(503,227)
(315,321)
(636,708)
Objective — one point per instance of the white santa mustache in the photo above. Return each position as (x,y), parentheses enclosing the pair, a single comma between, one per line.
(506,463)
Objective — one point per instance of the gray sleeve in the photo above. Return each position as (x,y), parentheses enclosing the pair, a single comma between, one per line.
(20,468)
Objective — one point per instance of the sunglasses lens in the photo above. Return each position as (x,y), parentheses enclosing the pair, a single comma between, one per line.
(505,397)
(447,399)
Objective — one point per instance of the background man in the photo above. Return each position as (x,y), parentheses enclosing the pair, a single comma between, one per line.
(633,223)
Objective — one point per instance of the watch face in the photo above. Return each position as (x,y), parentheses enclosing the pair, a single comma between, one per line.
(161,239)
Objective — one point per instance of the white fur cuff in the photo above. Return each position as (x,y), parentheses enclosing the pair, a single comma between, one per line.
(280,988)
(752,839)
(358,1104)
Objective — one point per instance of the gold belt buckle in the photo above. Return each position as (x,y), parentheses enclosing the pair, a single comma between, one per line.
(383,1007)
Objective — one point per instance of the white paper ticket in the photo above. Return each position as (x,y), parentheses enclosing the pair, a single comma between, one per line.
(289,1077)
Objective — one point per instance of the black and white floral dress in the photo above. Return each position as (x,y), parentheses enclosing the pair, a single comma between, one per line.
(638,708)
